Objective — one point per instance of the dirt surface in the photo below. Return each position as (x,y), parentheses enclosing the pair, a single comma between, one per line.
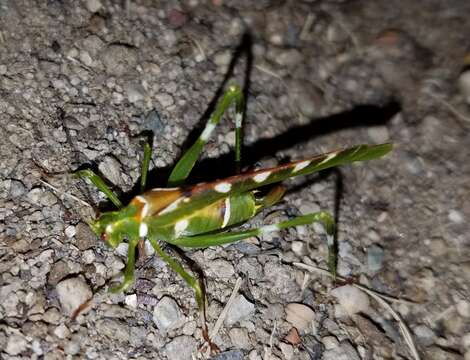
(79,83)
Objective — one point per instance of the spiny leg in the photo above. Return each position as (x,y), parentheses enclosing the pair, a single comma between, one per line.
(186,163)
(201,241)
(129,270)
(101,185)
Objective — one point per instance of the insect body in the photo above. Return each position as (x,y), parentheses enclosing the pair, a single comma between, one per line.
(205,214)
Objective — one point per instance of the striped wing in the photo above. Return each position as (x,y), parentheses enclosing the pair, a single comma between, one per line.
(204,194)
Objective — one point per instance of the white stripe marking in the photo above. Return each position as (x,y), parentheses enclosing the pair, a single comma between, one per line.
(171,207)
(146,207)
(261,176)
(143,229)
(226,213)
(109,229)
(206,134)
(301,165)
(238,120)
(328,158)
(181,226)
(223,187)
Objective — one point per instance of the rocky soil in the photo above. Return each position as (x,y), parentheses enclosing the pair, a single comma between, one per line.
(81,81)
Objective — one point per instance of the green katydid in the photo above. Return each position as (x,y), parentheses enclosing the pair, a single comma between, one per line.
(205,214)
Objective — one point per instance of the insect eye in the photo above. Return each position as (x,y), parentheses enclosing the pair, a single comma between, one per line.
(103,237)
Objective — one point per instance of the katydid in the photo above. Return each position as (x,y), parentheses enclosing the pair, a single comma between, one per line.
(206,214)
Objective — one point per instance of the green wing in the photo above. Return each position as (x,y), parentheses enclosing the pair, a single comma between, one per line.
(204,194)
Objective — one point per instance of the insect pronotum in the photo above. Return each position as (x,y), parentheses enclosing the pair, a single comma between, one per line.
(205,214)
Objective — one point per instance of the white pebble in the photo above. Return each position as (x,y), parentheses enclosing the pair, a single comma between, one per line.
(72,293)
(351,299)
(299,315)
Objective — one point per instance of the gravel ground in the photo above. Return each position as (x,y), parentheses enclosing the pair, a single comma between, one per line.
(81,81)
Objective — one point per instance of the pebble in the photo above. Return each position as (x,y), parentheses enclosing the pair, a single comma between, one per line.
(375,256)
(51,316)
(85,238)
(299,315)
(38,196)
(113,329)
(17,189)
(463,308)
(167,315)
(153,121)
(287,350)
(131,301)
(119,59)
(72,347)
(345,351)
(72,293)
(229,355)
(351,299)
(93,5)
(16,344)
(111,168)
(464,85)
(135,93)
(239,338)
(220,268)
(329,342)
(70,231)
(240,310)
(455,216)
(465,341)
(165,100)
(378,134)
(62,331)
(425,335)
(180,348)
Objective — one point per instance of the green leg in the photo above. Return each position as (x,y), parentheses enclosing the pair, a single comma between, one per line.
(145,166)
(190,280)
(186,163)
(322,217)
(101,185)
(129,270)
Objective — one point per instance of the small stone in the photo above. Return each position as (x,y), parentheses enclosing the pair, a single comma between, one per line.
(351,299)
(62,331)
(463,308)
(111,168)
(85,58)
(425,335)
(299,248)
(51,316)
(293,337)
(3,69)
(85,238)
(131,301)
(135,93)
(165,100)
(72,293)
(240,338)
(464,85)
(72,347)
(287,350)
(466,341)
(378,134)
(229,355)
(17,189)
(119,59)
(180,348)
(59,270)
(240,310)
(375,256)
(299,315)
(70,231)
(167,315)
(345,351)
(16,344)
(220,268)
(467,354)
(222,59)
(93,5)
(456,217)
(329,342)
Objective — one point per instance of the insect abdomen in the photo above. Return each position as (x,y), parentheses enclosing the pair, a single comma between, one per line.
(219,215)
